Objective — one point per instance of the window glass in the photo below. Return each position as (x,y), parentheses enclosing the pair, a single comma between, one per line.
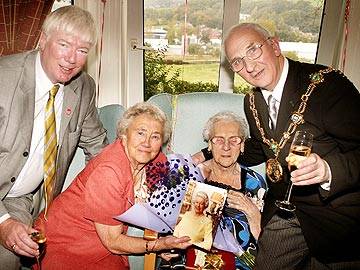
(296,23)
(186,38)
(175,66)
(61,3)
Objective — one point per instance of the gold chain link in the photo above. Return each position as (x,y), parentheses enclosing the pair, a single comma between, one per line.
(296,118)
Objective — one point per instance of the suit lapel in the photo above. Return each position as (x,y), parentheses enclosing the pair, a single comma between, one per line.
(71,99)
(27,88)
(263,112)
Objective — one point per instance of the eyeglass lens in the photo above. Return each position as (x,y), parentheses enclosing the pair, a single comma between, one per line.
(235,140)
(252,54)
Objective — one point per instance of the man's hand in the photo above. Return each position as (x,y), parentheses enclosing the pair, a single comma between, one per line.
(312,170)
(14,236)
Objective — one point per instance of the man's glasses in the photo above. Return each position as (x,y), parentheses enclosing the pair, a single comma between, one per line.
(220,141)
(252,54)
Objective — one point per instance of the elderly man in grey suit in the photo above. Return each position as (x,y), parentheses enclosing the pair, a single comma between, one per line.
(25,82)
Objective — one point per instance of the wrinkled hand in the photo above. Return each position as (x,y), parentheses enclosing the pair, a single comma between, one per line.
(14,236)
(172,242)
(311,170)
(241,202)
(167,256)
(198,158)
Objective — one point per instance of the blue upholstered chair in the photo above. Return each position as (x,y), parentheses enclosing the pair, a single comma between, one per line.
(188,114)
(109,115)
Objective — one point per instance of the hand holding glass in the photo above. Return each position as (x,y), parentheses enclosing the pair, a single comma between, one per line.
(300,149)
(40,238)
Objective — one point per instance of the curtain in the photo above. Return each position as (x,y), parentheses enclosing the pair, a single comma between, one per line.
(20,24)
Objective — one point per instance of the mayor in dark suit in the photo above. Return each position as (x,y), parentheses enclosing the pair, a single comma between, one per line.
(25,80)
(325,228)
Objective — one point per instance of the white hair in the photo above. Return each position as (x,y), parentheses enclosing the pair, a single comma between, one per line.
(140,109)
(225,116)
(72,20)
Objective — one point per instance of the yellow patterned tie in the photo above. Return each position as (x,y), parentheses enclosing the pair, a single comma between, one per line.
(50,149)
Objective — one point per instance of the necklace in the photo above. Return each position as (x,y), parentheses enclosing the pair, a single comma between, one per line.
(273,167)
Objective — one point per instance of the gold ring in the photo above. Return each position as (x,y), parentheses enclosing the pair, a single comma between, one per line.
(13,246)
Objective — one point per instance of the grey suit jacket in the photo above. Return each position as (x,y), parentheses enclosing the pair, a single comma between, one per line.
(80,125)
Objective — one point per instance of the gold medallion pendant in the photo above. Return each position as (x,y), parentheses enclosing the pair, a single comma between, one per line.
(274,170)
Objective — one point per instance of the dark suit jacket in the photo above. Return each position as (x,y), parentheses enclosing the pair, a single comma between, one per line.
(330,220)
(80,125)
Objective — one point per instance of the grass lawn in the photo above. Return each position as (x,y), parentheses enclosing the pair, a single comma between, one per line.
(199,72)
(203,73)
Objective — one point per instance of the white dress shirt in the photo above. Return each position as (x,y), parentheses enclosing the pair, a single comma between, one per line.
(32,173)
(279,88)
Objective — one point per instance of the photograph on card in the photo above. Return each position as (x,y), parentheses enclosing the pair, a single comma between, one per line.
(200,213)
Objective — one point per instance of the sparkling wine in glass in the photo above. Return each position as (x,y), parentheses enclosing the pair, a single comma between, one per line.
(40,238)
(300,149)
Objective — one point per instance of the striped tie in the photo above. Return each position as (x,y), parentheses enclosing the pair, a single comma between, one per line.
(50,148)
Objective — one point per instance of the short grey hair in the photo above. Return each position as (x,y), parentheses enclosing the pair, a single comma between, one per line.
(252,26)
(225,116)
(72,20)
(204,196)
(140,109)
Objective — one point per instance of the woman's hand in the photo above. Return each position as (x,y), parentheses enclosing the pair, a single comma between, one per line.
(241,202)
(114,239)
(167,256)
(198,158)
(171,242)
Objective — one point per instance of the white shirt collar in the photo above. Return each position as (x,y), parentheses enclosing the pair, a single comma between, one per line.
(279,88)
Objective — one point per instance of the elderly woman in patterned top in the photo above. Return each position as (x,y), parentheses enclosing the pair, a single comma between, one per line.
(225,133)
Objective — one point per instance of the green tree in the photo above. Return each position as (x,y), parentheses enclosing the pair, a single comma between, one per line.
(196,49)
(293,18)
(173,32)
(205,36)
(163,78)
(159,77)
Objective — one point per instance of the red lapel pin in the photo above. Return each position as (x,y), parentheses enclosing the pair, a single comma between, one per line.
(68,111)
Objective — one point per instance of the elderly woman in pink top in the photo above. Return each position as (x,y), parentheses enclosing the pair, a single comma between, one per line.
(80,229)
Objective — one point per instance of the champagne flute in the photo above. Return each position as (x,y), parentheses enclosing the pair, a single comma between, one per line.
(39,237)
(300,149)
